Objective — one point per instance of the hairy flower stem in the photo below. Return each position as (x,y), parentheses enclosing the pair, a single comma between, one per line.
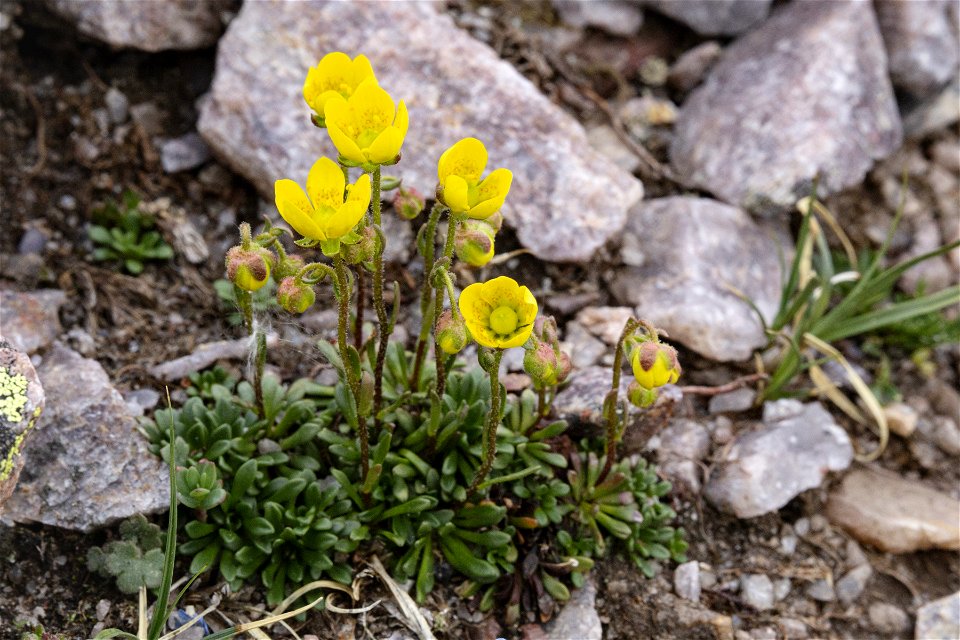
(358,320)
(245,302)
(612,399)
(490,429)
(382,320)
(428,239)
(353,381)
(438,303)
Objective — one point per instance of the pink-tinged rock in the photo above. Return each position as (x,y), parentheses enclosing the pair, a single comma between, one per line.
(566,199)
(30,320)
(922,43)
(714,17)
(804,94)
(150,25)
(21,403)
(893,514)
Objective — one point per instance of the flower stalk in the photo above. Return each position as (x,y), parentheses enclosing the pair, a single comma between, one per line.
(493,421)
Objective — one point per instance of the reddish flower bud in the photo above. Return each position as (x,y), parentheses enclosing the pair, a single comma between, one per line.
(408,203)
(541,365)
(294,296)
(248,268)
(640,396)
(451,332)
(474,242)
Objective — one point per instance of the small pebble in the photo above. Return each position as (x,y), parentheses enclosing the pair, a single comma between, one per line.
(821,590)
(947,435)
(103,608)
(33,241)
(118,107)
(686,581)
(901,418)
(850,586)
(781,588)
(802,527)
(888,618)
(757,591)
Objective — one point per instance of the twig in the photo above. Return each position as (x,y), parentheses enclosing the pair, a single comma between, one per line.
(724,388)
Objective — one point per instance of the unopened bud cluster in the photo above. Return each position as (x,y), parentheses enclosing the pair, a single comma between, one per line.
(544,362)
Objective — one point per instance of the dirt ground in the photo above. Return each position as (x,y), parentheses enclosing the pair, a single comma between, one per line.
(51,83)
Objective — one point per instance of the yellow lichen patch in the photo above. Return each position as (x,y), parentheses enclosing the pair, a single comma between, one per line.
(13,395)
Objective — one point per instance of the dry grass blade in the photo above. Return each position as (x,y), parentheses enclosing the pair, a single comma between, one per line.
(414,618)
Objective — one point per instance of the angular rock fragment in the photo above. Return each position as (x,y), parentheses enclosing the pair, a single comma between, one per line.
(30,320)
(21,403)
(86,465)
(803,95)
(939,619)
(763,470)
(921,41)
(566,199)
(714,17)
(697,254)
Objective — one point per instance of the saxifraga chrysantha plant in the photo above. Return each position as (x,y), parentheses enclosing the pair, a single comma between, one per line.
(423,458)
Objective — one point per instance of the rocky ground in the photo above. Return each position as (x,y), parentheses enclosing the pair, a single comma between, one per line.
(658,148)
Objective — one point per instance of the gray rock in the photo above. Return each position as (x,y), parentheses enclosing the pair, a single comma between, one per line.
(947,435)
(935,114)
(680,447)
(150,26)
(781,588)
(33,241)
(566,200)
(893,514)
(605,141)
(618,17)
(692,66)
(901,418)
(686,580)
(605,323)
(581,401)
(793,629)
(733,401)
(821,590)
(118,106)
(30,320)
(139,401)
(695,252)
(184,153)
(579,618)
(21,403)
(86,466)
(889,618)
(752,479)
(583,348)
(714,17)
(939,619)
(400,239)
(204,356)
(805,94)
(757,591)
(921,41)
(850,586)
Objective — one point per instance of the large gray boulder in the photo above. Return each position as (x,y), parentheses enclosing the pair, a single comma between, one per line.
(150,25)
(803,95)
(566,199)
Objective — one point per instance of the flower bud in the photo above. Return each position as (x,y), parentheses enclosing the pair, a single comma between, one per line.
(541,365)
(451,332)
(288,267)
(640,396)
(362,250)
(408,203)
(565,366)
(495,221)
(545,328)
(655,364)
(294,296)
(474,242)
(249,269)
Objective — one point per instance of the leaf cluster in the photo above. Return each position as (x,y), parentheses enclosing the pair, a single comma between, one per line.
(134,561)
(281,499)
(125,233)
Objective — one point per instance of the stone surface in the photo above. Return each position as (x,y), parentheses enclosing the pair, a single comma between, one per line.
(851,585)
(21,403)
(921,41)
(30,320)
(805,94)
(935,114)
(901,418)
(894,514)
(692,65)
(566,199)
(939,619)
(583,348)
(184,153)
(753,479)
(757,591)
(714,17)
(579,618)
(86,465)
(686,580)
(821,590)
(204,356)
(889,618)
(150,26)
(605,323)
(680,448)
(695,252)
(580,401)
(618,17)
(733,401)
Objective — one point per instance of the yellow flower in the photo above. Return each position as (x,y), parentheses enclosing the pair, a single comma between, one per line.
(499,313)
(367,128)
(655,364)
(335,74)
(460,187)
(325,215)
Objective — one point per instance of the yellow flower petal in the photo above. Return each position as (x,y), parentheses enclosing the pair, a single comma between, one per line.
(345,219)
(372,107)
(361,70)
(495,185)
(486,208)
(402,121)
(295,208)
(385,147)
(527,312)
(344,144)
(455,194)
(467,159)
(503,290)
(360,191)
(517,339)
(325,183)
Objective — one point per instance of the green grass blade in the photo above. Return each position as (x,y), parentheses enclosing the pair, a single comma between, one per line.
(895,313)
(170,551)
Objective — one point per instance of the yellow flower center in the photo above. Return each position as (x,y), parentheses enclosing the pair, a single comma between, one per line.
(503,320)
